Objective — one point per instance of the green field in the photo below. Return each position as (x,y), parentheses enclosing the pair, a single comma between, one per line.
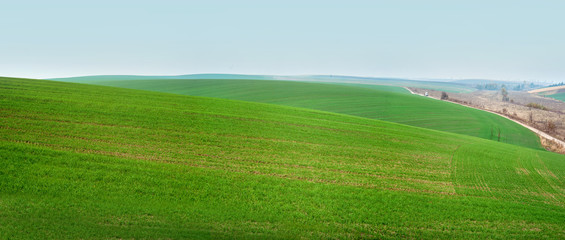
(84,161)
(558,96)
(371,101)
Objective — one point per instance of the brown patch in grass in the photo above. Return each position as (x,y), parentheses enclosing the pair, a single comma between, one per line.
(551,145)
(522,171)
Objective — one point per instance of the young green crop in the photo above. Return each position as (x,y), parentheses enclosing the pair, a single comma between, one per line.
(81,161)
(558,96)
(370,101)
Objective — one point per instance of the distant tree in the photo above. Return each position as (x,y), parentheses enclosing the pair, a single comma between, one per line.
(491,86)
(550,126)
(505,97)
(517,87)
(444,96)
(491,133)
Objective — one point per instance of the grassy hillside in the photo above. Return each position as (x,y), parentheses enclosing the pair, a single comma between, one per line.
(370,101)
(82,161)
(558,96)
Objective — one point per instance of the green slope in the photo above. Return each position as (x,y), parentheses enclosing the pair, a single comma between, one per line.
(83,161)
(558,96)
(372,101)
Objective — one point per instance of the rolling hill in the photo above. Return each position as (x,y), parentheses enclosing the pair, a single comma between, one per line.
(103,78)
(84,161)
(363,81)
(558,96)
(549,90)
(555,92)
(371,101)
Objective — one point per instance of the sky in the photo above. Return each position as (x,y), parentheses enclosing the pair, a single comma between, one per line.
(442,39)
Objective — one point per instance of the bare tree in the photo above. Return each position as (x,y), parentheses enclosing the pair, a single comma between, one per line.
(491,133)
(550,126)
(505,97)
(444,96)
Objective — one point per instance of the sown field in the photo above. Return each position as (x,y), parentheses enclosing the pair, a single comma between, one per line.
(83,161)
(557,92)
(371,101)
(558,96)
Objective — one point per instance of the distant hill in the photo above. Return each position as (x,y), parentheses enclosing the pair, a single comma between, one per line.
(549,90)
(98,78)
(558,96)
(484,81)
(435,85)
(555,92)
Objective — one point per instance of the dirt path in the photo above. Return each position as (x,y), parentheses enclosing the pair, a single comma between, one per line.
(535,130)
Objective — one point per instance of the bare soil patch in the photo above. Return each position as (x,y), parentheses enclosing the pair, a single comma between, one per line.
(549,90)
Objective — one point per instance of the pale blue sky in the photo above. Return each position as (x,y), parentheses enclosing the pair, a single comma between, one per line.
(507,40)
